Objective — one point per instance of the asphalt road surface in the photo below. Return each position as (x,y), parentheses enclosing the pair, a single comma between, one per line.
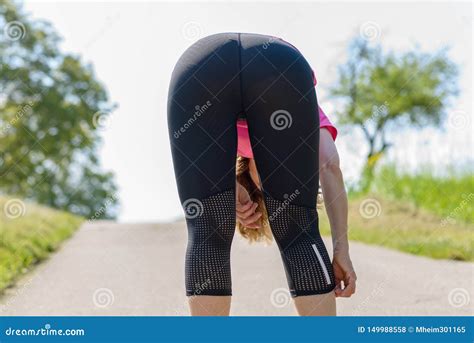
(137,269)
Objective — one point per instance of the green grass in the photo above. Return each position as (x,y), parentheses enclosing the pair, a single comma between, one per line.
(400,225)
(451,197)
(29,238)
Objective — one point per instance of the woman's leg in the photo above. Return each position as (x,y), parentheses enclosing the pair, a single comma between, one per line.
(207,305)
(316,305)
(324,304)
(202,112)
(282,115)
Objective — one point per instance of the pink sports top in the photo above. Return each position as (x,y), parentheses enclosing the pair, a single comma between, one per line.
(244,149)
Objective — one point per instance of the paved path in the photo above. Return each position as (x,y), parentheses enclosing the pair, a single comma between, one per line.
(137,269)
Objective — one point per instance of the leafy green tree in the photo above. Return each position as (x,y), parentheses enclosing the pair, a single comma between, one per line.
(383,92)
(52,109)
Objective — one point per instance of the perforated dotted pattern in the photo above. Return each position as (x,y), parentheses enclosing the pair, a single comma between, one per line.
(306,260)
(210,234)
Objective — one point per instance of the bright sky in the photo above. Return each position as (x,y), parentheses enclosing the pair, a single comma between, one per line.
(134,45)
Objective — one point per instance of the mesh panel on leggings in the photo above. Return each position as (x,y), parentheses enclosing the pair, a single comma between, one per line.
(307,263)
(211,227)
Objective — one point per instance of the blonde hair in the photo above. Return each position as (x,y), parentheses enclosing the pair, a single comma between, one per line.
(264,233)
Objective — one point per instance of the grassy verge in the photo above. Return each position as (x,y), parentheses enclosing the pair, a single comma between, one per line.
(28,234)
(450,196)
(401,225)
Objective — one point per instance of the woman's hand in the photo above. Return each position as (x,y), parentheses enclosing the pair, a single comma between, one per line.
(245,208)
(344,271)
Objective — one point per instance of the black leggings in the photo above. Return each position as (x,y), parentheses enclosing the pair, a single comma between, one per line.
(266,80)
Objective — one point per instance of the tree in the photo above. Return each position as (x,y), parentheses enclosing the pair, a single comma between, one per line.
(383,91)
(51,111)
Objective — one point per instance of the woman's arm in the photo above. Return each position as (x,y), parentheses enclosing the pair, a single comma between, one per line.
(334,193)
(335,200)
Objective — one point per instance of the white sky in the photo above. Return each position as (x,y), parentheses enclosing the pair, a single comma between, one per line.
(134,45)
